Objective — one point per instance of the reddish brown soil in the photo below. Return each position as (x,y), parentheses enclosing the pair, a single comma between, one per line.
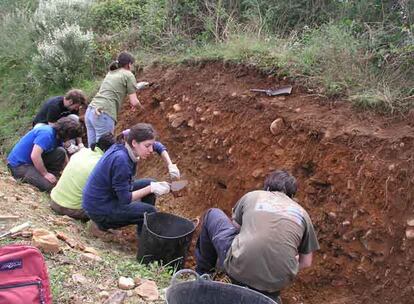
(355,171)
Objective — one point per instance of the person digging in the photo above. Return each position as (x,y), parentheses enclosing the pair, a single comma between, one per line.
(269,240)
(112,198)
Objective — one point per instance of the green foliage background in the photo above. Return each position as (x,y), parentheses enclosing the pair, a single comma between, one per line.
(334,47)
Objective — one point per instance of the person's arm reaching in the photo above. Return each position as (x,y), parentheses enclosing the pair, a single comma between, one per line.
(37,160)
(305,260)
(79,142)
(172,168)
(139,194)
(133,99)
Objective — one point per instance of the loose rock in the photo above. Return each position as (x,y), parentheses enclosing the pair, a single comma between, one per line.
(277,126)
(46,241)
(103,294)
(257,173)
(177,107)
(116,298)
(126,283)
(410,222)
(191,123)
(409,233)
(148,290)
(91,257)
(79,278)
(332,215)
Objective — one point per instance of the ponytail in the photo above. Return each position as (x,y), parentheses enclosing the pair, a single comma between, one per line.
(114,65)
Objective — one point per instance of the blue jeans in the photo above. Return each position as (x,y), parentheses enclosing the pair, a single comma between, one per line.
(128,214)
(97,125)
(217,234)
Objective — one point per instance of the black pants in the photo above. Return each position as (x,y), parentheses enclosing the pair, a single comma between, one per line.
(53,161)
(128,214)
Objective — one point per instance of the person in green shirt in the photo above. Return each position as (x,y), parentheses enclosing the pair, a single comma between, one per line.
(102,112)
(67,194)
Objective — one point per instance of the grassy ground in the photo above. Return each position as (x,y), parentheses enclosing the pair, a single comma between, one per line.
(118,259)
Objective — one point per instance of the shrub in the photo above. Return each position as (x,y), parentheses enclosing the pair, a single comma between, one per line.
(64,55)
(111,16)
(52,14)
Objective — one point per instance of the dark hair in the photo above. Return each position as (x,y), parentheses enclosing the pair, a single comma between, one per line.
(281,181)
(123,59)
(67,128)
(77,96)
(104,142)
(141,132)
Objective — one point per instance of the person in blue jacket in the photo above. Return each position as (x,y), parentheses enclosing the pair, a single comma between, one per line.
(112,198)
(38,157)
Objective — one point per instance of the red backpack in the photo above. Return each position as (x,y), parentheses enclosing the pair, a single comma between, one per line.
(23,276)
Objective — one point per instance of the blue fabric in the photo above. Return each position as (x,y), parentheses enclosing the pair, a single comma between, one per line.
(110,182)
(130,214)
(97,125)
(217,234)
(43,136)
(159,147)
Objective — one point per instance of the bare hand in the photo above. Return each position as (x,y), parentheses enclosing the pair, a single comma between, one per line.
(50,177)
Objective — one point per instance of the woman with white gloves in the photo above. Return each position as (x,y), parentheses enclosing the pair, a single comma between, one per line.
(111,197)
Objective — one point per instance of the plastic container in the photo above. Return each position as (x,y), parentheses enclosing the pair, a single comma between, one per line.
(203,290)
(166,238)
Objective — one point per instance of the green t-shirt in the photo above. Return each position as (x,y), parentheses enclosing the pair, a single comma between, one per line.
(274,230)
(68,191)
(114,88)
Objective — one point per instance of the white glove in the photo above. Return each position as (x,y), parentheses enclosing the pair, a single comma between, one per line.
(72,149)
(160,188)
(174,172)
(141,85)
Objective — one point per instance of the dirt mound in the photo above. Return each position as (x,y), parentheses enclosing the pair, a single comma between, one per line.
(355,171)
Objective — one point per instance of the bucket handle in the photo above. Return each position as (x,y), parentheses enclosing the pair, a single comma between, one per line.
(196,221)
(145,220)
(181,272)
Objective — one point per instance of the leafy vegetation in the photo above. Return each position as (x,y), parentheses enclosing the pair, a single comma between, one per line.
(334,47)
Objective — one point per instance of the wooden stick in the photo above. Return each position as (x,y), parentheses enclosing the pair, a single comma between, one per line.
(9,217)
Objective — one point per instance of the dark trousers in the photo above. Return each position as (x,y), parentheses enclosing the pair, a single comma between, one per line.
(128,214)
(53,161)
(78,214)
(216,236)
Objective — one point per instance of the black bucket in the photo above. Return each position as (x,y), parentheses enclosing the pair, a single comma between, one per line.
(205,291)
(165,237)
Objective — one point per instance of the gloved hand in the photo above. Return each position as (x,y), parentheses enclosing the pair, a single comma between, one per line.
(160,188)
(141,85)
(72,149)
(174,172)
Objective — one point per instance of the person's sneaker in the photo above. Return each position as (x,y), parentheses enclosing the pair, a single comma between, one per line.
(94,230)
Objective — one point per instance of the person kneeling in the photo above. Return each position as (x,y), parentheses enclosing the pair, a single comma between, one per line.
(111,198)
(270,239)
(38,157)
(67,194)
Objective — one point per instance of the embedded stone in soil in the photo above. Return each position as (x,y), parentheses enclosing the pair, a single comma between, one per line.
(224,146)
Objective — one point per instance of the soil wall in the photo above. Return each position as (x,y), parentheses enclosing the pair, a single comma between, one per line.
(355,171)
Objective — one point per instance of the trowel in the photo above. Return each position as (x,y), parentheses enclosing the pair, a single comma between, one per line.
(176,186)
(16,229)
(286,90)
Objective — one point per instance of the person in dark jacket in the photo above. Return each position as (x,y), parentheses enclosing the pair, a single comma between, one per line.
(111,198)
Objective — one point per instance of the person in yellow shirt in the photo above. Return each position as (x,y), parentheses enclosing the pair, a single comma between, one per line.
(67,194)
